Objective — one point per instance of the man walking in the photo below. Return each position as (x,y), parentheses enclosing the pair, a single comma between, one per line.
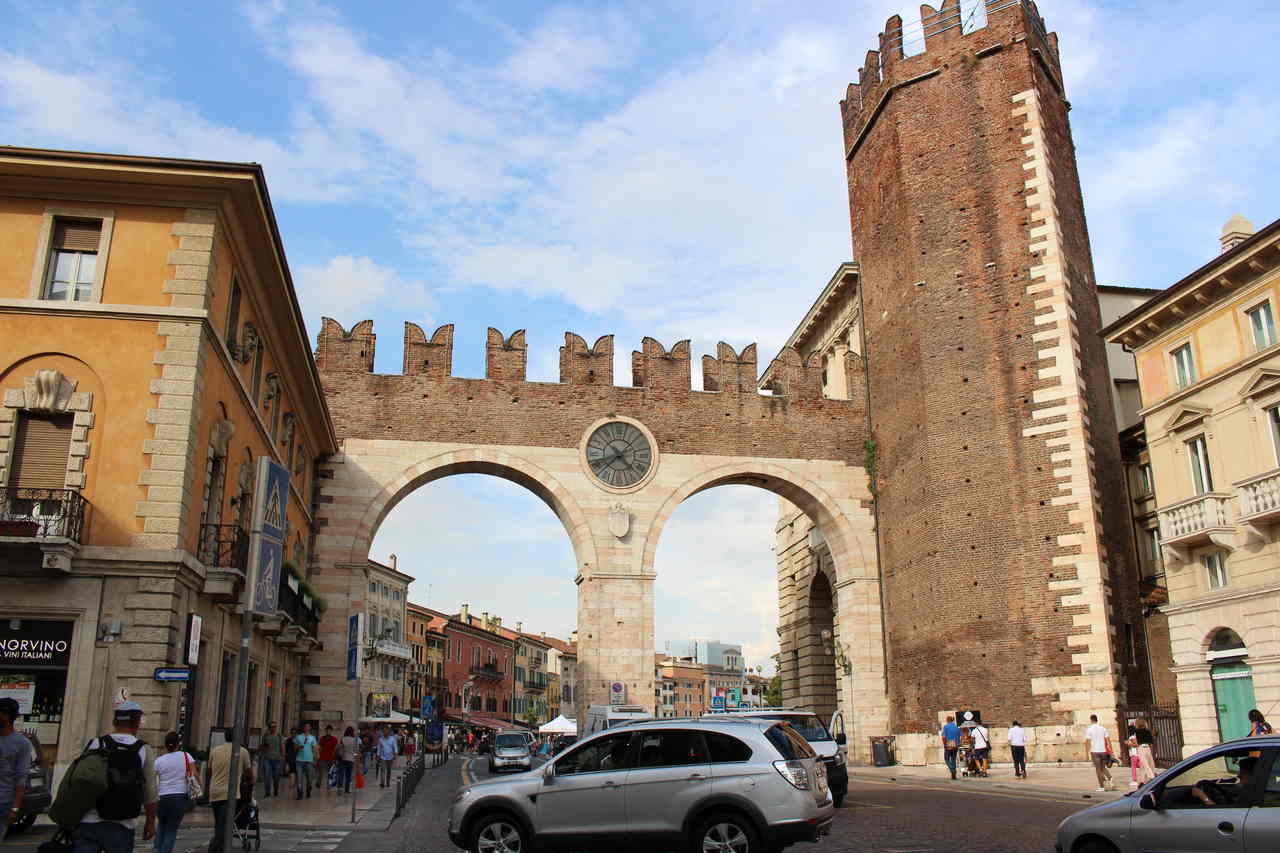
(305,758)
(15,764)
(272,752)
(110,827)
(950,744)
(1018,746)
(220,788)
(328,758)
(1098,743)
(387,749)
(981,748)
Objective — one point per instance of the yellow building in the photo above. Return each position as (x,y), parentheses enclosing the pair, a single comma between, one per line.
(1209,371)
(426,636)
(531,681)
(151,351)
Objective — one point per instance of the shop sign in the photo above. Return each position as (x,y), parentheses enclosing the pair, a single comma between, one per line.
(194,623)
(35,641)
(381,705)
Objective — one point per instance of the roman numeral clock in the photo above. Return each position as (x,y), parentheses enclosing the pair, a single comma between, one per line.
(619,454)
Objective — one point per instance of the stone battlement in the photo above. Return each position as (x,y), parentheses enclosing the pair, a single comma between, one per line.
(945,41)
(652,366)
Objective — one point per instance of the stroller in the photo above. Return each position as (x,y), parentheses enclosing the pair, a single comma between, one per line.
(247,829)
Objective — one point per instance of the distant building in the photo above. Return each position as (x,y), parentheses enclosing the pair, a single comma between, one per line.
(426,673)
(478,667)
(716,653)
(682,687)
(383,679)
(565,659)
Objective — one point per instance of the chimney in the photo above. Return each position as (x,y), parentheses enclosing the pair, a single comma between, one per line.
(1236,231)
(519,627)
(465,613)
(393,563)
(484,620)
(573,636)
(497,620)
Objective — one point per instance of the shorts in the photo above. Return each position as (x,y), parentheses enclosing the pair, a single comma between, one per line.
(982,754)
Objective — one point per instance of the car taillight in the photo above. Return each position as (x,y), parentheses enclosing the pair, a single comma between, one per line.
(793,772)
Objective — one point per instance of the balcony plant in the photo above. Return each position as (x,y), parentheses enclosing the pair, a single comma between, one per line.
(292,576)
(307,591)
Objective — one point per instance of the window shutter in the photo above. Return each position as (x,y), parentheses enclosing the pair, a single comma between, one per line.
(77,236)
(40,451)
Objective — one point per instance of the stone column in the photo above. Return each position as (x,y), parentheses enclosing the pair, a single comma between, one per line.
(1197,707)
(615,638)
(837,376)
(863,700)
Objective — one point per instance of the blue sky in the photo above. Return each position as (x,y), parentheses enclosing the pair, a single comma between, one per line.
(630,168)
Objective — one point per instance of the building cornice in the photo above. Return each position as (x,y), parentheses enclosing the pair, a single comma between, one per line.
(1208,381)
(1231,597)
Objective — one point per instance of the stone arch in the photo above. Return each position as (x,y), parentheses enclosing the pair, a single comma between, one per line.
(1208,639)
(479,460)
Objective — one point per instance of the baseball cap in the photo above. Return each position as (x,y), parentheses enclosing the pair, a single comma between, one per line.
(127,710)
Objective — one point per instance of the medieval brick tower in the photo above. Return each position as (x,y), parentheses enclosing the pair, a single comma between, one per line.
(1008,582)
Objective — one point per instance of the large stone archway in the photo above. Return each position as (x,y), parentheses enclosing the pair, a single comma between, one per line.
(402,431)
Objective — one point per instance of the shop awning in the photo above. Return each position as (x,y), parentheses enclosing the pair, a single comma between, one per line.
(487,722)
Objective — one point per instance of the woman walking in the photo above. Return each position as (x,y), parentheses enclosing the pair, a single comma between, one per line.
(1258,725)
(1146,760)
(348,752)
(172,770)
(1131,747)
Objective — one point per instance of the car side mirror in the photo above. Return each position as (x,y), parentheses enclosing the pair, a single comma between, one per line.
(841,739)
(549,773)
(1149,802)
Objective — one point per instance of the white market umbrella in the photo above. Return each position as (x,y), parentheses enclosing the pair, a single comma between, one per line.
(561,725)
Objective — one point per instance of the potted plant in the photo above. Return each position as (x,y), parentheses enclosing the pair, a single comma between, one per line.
(292,576)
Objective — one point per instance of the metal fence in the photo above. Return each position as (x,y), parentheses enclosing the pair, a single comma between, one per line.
(413,773)
(1166,726)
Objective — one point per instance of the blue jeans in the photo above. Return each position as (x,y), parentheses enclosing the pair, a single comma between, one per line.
(950,756)
(5,805)
(306,770)
(219,825)
(106,836)
(271,776)
(345,772)
(170,810)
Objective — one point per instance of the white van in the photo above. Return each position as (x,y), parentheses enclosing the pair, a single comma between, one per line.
(601,717)
(829,742)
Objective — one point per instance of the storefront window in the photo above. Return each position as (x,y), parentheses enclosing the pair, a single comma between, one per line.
(34,656)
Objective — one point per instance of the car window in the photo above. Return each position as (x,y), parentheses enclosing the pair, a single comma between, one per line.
(606,753)
(670,748)
(1271,794)
(725,749)
(1220,781)
(788,742)
(512,740)
(808,725)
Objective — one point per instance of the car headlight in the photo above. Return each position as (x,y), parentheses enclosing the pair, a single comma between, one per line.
(461,794)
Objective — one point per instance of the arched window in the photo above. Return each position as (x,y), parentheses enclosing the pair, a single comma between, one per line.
(1226,643)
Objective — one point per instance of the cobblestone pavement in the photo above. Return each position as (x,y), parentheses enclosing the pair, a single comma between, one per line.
(196,838)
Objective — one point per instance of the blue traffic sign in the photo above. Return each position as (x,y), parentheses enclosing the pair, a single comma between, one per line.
(172,673)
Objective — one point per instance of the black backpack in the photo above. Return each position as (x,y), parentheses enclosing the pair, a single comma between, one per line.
(125,781)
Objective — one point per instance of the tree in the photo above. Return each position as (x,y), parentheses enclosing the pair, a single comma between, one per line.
(531,715)
(773,695)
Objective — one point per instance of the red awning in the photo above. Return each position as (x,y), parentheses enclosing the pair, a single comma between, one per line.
(487,722)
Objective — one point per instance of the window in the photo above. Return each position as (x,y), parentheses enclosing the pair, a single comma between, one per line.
(233,315)
(1184,366)
(73,261)
(607,753)
(1215,567)
(41,449)
(1145,482)
(725,749)
(676,748)
(1262,324)
(1273,418)
(257,372)
(1153,547)
(475,655)
(1198,456)
(1219,781)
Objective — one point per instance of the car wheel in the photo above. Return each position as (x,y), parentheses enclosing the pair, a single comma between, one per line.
(498,833)
(23,822)
(725,832)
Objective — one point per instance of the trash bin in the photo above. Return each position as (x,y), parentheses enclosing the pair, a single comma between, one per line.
(882,751)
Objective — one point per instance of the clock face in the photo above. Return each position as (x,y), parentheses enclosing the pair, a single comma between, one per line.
(619,454)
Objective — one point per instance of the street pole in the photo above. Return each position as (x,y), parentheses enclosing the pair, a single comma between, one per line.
(237,733)
(355,789)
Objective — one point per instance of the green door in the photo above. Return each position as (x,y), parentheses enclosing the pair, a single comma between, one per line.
(1233,691)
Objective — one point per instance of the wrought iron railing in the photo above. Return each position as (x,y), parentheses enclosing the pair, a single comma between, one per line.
(486,671)
(532,684)
(224,546)
(41,513)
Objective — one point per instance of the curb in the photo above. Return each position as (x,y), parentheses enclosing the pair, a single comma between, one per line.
(965,786)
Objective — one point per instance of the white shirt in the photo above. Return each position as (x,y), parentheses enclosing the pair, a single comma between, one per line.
(171,773)
(1097,736)
(981,740)
(1017,736)
(91,816)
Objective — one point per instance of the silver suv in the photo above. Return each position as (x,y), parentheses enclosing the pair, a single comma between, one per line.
(739,785)
(510,751)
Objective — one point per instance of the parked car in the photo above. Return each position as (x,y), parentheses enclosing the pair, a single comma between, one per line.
(1224,798)
(829,742)
(38,796)
(746,785)
(510,750)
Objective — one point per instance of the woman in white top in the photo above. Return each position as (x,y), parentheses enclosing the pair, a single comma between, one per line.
(172,770)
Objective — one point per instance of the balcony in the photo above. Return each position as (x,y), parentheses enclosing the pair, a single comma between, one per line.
(530,684)
(224,550)
(393,649)
(487,671)
(1199,520)
(1259,503)
(305,622)
(43,524)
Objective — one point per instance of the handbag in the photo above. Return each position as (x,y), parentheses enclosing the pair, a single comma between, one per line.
(194,789)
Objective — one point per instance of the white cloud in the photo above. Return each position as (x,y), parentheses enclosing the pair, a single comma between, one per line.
(570,51)
(348,289)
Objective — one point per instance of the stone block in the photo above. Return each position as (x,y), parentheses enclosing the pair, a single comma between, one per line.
(188,242)
(151,601)
(156,524)
(75,480)
(188,301)
(15,397)
(200,215)
(157,584)
(180,257)
(156,539)
(192,229)
(188,357)
(152,618)
(81,402)
(196,286)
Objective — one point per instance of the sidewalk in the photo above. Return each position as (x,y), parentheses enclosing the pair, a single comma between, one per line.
(1061,781)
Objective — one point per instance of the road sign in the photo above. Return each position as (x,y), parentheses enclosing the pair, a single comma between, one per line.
(354,632)
(428,708)
(435,732)
(266,542)
(172,673)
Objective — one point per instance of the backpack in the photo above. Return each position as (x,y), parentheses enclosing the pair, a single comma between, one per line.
(125,781)
(82,786)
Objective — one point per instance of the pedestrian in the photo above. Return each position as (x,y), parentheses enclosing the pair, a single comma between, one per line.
(1098,744)
(1131,745)
(1018,748)
(950,744)
(366,749)
(328,759)
(1146,741)
(291,753)
(981,747)
(133,789)
(271,750)
(220,788)
(172,771)
(15,764)
(348,753)
(387,750)
(1258,725)
(304,759)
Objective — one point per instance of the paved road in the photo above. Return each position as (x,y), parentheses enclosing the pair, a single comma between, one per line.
(197,839)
